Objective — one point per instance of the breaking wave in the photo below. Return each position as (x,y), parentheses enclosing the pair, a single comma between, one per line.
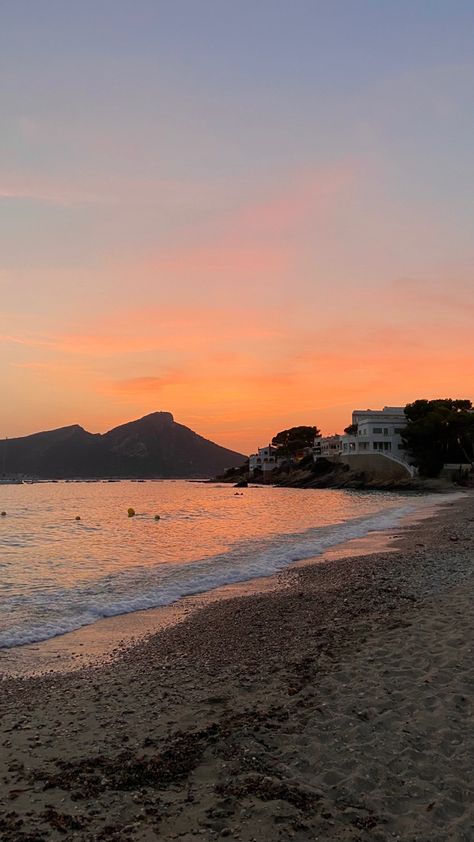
(51,611)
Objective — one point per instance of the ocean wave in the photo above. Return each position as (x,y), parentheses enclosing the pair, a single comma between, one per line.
(53,612)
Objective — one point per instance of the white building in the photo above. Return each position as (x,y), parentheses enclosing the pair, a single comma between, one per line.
(325,446)
(378,431)
(264,460)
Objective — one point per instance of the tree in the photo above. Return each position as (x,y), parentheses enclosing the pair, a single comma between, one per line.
(437,432)
(351,430)
(290,441)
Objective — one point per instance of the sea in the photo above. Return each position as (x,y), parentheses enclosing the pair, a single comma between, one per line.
(58,573)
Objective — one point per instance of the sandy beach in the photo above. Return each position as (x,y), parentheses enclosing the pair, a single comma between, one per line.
(335,705)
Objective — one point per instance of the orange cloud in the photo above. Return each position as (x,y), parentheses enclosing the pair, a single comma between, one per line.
(239,385)
(239,333)
(147,384)
(156,329)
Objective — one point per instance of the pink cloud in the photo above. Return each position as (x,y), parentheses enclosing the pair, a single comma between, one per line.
(256,244)
(297,202)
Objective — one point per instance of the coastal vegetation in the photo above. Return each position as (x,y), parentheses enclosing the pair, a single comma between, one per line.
(439,432)
(438,435)
(291,441)
(438,438)
(351,430)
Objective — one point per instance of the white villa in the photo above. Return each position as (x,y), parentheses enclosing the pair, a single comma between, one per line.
(377,431)
(375,445)
(264,459)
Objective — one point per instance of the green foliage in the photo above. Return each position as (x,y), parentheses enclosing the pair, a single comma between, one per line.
(437,432)
(290,441)
(351,430)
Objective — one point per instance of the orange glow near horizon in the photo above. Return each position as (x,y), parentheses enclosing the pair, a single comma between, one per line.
(232,382)
(261,324)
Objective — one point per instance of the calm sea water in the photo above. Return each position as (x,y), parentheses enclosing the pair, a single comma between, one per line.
(57,574)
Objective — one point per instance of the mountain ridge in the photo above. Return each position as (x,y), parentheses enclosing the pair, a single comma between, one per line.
(152,446)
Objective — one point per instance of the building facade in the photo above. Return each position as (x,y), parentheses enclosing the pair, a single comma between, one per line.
(377,431)
(264,459)
(325,446)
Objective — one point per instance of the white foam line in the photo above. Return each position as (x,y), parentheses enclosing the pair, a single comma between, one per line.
(153,587)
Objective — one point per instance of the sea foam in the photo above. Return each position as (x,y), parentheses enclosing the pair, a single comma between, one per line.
(56,611)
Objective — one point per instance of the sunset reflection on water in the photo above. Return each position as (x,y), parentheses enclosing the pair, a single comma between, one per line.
(58,573)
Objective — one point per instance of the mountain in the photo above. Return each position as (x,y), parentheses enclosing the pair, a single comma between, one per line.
(153,446)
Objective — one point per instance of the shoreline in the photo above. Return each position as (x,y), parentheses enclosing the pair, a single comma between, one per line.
(337,708)
(105,639)
(101,641)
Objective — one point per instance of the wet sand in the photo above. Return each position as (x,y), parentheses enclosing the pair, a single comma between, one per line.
(100,642)
(337,706)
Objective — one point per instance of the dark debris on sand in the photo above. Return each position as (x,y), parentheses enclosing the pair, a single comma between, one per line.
(270,789)
(92,775)
(198,732)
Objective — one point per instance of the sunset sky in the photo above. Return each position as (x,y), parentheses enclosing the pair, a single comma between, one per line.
(250,213)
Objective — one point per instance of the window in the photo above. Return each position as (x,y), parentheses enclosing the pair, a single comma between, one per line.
(385,431)
(377,429)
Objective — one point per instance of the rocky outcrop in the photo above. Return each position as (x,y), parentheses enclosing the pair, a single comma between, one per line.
(326,474)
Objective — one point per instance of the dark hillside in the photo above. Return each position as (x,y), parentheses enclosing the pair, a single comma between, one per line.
(153,446)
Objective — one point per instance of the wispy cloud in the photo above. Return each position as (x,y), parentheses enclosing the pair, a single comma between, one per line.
(49,188)
(62,197)
(220,328)
(148,383)
(155,329)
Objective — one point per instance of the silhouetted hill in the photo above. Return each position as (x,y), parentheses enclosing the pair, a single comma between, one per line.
(153,446)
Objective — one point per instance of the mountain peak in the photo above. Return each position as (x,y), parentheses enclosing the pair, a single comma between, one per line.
(154,421)
(159,416)
(152,446)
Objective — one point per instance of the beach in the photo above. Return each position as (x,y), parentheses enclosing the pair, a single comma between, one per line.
(334,705)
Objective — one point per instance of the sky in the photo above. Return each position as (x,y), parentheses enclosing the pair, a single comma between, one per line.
(253,214)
